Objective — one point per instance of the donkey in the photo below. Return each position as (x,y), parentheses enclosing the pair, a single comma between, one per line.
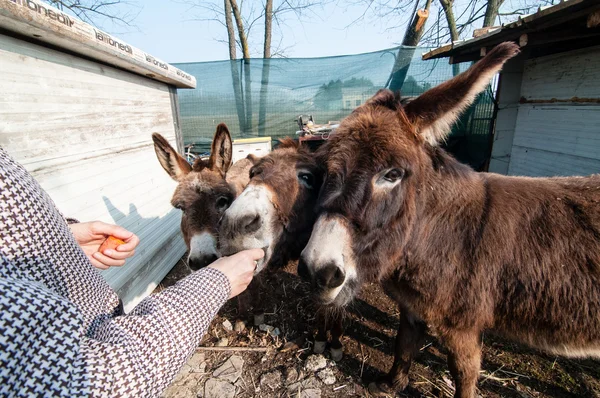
(276,213)
(204,192)
(460,251)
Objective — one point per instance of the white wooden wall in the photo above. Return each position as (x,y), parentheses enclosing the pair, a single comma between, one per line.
(559,138)
(84,131)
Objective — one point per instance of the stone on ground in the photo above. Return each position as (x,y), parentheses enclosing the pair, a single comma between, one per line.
(271,380)
(227,325)
(326,376)
(240,326)
(215,388)
(315,362)
(231,370)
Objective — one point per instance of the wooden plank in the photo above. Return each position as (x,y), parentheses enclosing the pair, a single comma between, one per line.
(563,76)
(177,120)
(539,163)
(42,22)
(560,129)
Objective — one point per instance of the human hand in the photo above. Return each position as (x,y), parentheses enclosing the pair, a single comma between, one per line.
(239,269)
(90,235)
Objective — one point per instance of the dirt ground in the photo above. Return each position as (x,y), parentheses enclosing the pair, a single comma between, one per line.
(508,370)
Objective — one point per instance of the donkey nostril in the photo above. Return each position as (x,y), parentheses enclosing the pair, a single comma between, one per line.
(330,276)
(251,223)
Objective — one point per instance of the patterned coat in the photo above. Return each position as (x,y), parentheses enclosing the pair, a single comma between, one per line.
(62,330)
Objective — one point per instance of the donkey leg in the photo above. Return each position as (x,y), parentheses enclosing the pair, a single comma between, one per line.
(337,329)
(321,337)
(409,338)
(464,361)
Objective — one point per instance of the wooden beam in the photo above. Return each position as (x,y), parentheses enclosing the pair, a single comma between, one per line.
(483,31)
(439,50)
(466,57)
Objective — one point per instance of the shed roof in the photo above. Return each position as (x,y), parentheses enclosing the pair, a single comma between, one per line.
(40,22)
(568,25)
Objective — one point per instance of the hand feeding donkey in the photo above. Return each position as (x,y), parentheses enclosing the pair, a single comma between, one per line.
(276,213)
(460,251)
(205,191)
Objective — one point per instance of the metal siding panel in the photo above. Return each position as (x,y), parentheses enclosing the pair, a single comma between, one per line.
(563,76)
(83,130)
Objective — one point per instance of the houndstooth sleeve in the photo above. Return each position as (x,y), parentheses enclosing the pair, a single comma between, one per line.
(62,331)
(140,353)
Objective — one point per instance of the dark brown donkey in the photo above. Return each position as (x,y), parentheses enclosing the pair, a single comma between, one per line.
(459,251)
(204,192)
(276,213)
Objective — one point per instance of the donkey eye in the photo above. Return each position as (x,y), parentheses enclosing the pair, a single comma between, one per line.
(393,175)
(222,203)
(307,179)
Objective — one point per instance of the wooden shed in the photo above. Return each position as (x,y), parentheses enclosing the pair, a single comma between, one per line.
(77,109)
(548,100)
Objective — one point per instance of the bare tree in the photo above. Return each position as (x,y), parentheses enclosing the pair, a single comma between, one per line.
(412,36)
(235,77)
(454,19)
(253,14)
(97,12)
(237,15)
(230,30)
(268,28)
(264,83)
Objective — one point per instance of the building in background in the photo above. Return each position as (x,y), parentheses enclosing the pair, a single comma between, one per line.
(548,114)
(77,109)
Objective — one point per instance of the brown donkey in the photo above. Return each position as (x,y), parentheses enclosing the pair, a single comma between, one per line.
(460,251)
(276,213)
(205,191)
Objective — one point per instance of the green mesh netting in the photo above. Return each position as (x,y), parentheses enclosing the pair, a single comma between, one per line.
(264,97)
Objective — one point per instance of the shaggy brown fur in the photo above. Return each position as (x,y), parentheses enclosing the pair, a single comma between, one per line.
(293,202)
(461,251)
(284,172)
(205,190)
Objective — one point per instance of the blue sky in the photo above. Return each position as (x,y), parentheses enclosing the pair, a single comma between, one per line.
(166,29)
(176,32)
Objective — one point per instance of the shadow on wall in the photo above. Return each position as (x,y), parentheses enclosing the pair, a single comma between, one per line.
(161,246)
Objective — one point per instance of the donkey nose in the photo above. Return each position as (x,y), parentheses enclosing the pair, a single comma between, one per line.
(330,276)
(250,223)
(199,262)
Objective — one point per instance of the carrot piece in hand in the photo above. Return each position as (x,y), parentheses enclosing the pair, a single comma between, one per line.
(110,243)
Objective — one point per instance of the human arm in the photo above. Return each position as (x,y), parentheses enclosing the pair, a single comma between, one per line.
(137,354)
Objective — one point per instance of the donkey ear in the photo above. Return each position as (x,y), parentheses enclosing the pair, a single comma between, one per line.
(221,151)
(386,98)
(434,112)
(173,163)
